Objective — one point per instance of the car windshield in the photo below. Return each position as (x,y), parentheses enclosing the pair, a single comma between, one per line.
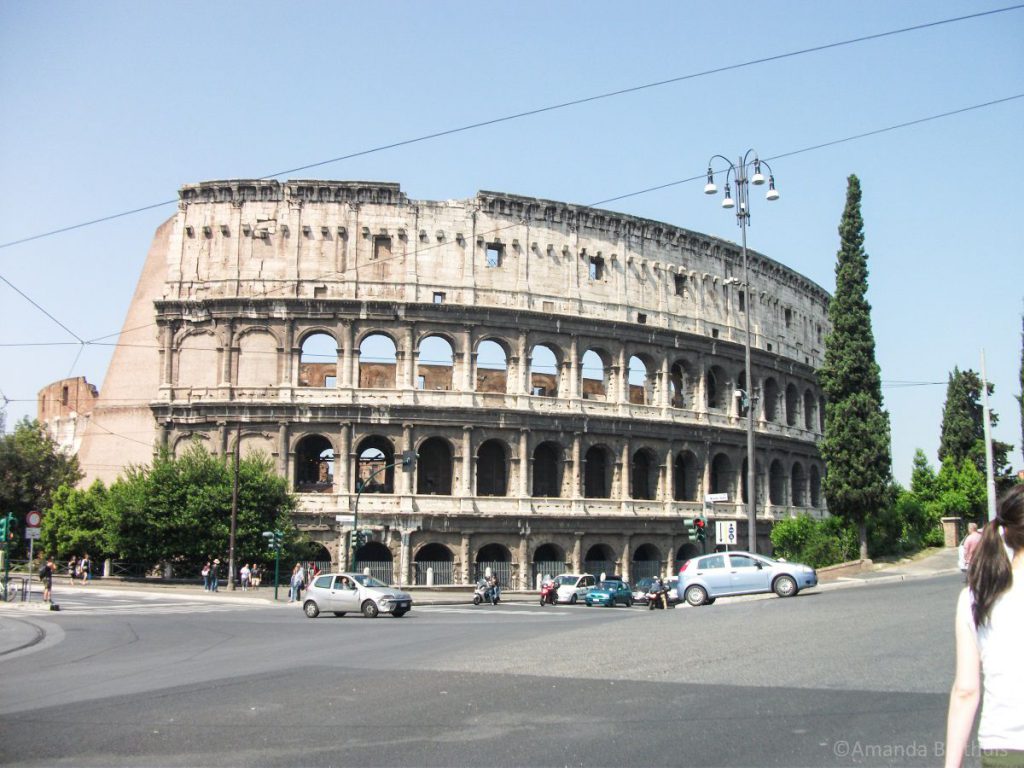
(610,585)
(567,581)
(369,581)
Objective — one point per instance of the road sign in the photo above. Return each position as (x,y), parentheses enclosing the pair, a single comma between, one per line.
(31,533)
(713,497)
(33,519)
(346,519)
(725,532)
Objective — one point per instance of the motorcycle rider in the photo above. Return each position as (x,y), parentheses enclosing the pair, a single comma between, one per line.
(659,594)
(495,588)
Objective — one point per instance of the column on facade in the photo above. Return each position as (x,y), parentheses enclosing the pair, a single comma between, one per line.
(282,451)
(622,377)
(525,464)
(759,410)
(224,441)
(700,399)
(706,480)
(466,483)
(291,370)
(468,360)
(407,445)
(574,367)
(405,360)
(665,399)
(623,473)
(524,561)
(523,372)
(227,337)
(167,344)
(576,469)
(626,556)
(344,368)
(577,552)
(464,556)
(342,462)
(668,475)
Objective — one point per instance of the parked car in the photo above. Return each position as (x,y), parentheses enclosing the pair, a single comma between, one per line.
(609,592)
(341,593)
(642,587)
(705,578)
(573,586)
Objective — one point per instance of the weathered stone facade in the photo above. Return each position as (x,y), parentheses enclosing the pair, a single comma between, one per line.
(580,406)
(64,408)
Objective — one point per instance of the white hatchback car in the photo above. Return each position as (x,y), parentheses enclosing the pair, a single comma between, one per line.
(572,587)
(342,593)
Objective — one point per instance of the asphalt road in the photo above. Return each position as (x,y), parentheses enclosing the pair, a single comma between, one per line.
(849,677)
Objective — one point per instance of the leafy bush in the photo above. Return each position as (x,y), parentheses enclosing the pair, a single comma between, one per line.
(815,542)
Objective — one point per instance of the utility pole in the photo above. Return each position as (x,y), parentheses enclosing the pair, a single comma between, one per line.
(234,509)
(990,482)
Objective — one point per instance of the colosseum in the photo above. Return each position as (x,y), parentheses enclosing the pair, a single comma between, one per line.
(564,383)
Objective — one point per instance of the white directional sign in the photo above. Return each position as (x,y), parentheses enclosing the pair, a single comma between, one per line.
(346,519)
(725,532)
(713,497)
(31,533)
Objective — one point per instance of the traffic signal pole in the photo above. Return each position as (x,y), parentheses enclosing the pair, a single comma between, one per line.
(405,462)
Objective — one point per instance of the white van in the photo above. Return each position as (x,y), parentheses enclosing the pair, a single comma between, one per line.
(573,587)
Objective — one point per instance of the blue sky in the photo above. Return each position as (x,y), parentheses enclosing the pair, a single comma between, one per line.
(109,106)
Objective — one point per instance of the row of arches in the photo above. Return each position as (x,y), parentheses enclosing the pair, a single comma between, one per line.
(678,476)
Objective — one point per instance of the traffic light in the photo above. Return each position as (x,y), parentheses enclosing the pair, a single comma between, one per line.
(4,522)
(274,539)
(700,529)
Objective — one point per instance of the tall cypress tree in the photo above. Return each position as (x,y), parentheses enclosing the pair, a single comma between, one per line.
(962,418)
(856,448)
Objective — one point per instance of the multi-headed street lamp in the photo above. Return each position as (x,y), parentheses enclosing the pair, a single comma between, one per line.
(737,174)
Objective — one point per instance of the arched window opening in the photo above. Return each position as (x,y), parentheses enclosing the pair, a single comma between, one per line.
(434,564)
(374,473)
(314,465)
(498,560)
(792,405)
(491,469)
(680,380)
(640,382)
(543,372)
(491,367)
(597,475)
(643,475)
(646,563)
(757,482)
(434,364)
(318,364)
(685,477)
(815,487)
(742,393)
(716,383)
(600,560)
(548,560)
(593,376)
(686,552)
(434,468)
(547,470)
(378,559)
(809,403)
(721,475)
(776,483)
(378,362)
(771,400)
(799,483)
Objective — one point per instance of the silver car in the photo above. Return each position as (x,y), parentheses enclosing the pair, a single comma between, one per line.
(705,578)
(341,593)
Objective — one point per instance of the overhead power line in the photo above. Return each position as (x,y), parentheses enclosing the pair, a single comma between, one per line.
(548,108)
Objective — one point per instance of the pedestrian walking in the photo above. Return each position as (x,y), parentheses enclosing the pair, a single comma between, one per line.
(73,568)
(206,576)
(85,565)
(245,577)
(256,577)
(989,641)
(297,583)
(213,575)
(46,577)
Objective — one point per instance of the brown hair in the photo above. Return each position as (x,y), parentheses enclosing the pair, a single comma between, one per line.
(990,573)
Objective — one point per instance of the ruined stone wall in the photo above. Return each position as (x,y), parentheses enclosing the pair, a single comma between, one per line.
(64,408)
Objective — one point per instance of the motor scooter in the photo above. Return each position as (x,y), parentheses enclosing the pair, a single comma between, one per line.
(484,593)
(548,593)
(657,598)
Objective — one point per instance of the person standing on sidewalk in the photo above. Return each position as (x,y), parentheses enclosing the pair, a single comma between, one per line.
(213,575)
(245,576)
(971,542)
(46,577)
(206,576)
(989,641)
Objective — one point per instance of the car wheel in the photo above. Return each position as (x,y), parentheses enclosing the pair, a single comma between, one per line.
(311,609)
(710,601)
(399,612)
(696,595)
(629,602)
(370,609)
(572,600)
(785,586)
(339,614)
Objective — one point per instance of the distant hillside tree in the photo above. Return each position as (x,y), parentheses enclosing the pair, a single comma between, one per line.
(856,447)
(963,427)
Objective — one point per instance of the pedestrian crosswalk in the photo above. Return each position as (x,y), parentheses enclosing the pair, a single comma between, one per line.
(107,606)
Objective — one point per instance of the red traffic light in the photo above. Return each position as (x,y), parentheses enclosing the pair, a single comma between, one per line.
(699,523)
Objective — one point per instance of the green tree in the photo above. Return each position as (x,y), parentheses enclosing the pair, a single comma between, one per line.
(962,426)
(74,524)
(961,490)
(856,446)
(922,479)
(32,468)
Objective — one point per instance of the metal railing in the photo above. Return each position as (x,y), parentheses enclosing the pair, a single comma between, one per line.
(382,570)
(642,569)
(597,567)
(444,572)
(500,568)
(550,568)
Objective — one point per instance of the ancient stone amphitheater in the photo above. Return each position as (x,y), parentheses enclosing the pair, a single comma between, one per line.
(566,377)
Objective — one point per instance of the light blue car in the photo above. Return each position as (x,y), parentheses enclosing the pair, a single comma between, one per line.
(705,578)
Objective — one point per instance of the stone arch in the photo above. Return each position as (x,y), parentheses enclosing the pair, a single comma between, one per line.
(435,362)
(434,467)
(197,360)
(433,551)
(776,483)
(716,385)
(688,551)
(254,443)
(771,399)
(497,558)
(314,464)
(545,364)
(492,356)
(595,365)
(682,381)
(374,454)
(640,379)
(643,475)
(182,443)
(792,405)
(257,364)
(722,479)
(378,361)
(815,486)
(597,473)
(600,558)
(318,360)
(435,559)
(798,483)
(547,469)
(492,468)
(685,477)
(646,563)
(378,558)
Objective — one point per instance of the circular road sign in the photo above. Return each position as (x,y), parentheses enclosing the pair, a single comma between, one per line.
(32,519)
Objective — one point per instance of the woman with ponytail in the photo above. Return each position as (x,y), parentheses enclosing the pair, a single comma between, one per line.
(990,641)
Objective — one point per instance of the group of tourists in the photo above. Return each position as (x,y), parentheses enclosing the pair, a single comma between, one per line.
(302,576)
(80,569)
(249,576)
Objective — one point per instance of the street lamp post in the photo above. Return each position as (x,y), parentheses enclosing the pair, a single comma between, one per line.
(737,172)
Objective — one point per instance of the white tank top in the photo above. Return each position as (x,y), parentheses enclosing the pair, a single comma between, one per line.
(1001,643)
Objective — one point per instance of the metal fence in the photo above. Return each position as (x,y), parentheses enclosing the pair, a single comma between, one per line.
(444,572)
(643,569)
(546,568)
(597,567)
(382,570)
(500,568)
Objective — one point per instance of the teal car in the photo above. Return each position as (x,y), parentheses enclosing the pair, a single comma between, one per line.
(610,592)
